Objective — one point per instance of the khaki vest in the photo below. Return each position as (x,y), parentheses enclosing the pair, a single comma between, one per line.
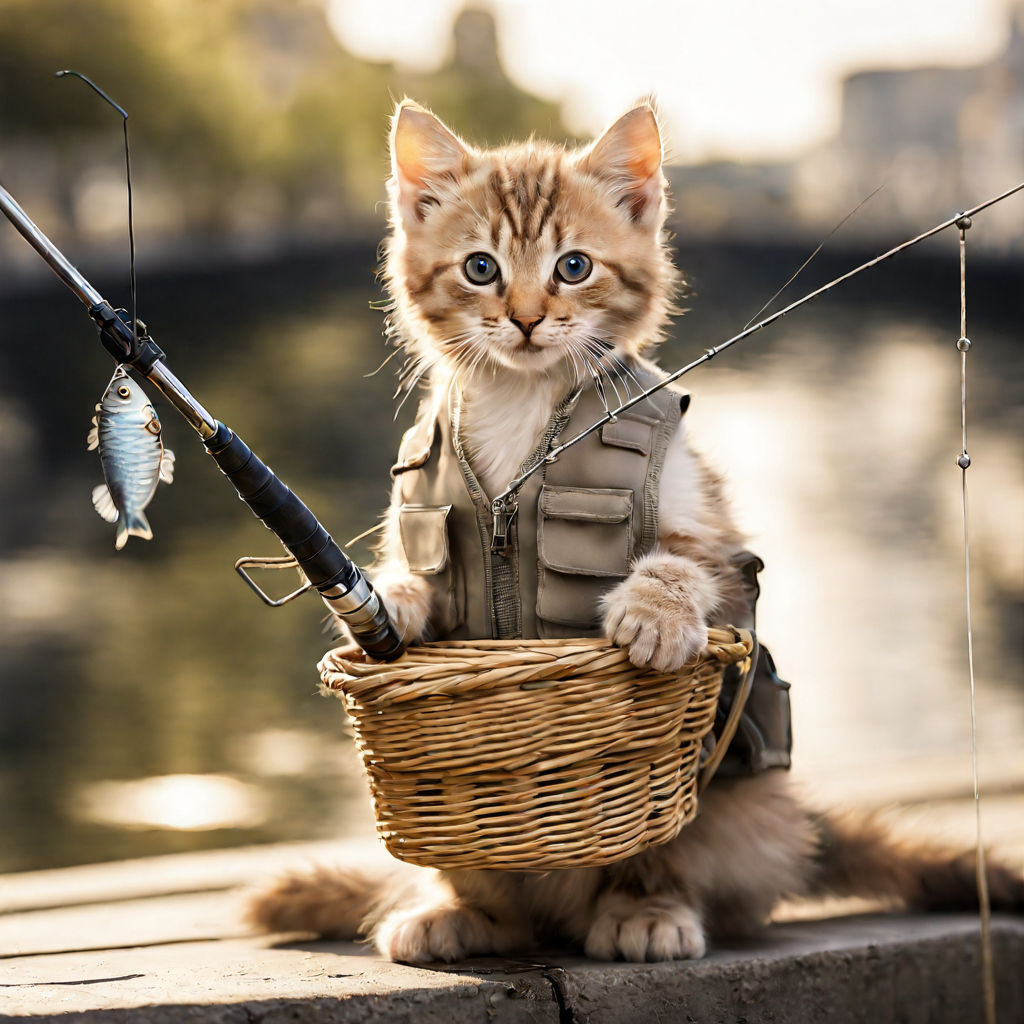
(581,521)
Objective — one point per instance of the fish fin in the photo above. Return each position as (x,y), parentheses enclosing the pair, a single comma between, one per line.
(167,467)
(104,503)
(93,437)
(136,525)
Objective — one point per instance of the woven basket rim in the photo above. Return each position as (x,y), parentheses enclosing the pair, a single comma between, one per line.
(449,667)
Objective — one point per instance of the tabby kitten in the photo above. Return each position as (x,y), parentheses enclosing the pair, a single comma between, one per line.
(515,273)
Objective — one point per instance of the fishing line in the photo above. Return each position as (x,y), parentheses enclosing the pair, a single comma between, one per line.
(821,245)
(963,345)
(128,174)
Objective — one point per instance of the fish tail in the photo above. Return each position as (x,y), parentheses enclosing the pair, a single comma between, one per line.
(132,524)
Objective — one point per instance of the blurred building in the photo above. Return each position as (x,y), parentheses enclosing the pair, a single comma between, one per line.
(936,139)
(255,132)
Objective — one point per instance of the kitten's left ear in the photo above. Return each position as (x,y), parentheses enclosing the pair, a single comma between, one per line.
(423,151)
(629,155)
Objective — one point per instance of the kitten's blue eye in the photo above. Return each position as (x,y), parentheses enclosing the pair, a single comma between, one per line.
(481,268)
(573,268)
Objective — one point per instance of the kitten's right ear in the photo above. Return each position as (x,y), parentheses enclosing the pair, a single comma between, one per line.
(629,155)
(423,152)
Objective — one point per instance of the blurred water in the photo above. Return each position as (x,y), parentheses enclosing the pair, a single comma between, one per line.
(837,431)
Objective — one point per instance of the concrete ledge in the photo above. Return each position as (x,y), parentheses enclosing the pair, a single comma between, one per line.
(878,969)
(903,970)
(82,955)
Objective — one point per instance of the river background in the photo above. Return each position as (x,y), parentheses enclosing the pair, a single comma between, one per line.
(837,431)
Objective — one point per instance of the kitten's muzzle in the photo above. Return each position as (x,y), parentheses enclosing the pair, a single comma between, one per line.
(526,323)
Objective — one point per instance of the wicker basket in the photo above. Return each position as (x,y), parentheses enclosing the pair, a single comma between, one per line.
(529,755)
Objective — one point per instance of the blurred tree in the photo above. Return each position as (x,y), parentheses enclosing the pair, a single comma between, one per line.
(239,103)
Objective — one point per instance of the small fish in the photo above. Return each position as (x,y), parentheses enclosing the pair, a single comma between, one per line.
(127,432)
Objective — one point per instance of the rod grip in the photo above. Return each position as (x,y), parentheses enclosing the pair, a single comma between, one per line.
(338,580)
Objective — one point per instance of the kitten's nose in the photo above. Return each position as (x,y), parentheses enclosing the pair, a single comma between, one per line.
(526,323)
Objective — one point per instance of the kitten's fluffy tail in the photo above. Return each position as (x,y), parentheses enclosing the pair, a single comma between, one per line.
(857,858)
(339,903)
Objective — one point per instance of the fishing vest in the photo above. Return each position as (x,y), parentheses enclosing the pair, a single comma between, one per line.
(582,520)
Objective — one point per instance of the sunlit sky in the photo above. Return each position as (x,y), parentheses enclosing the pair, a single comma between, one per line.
(756,79)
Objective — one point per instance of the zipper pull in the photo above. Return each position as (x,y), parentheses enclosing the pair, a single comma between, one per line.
(504,513)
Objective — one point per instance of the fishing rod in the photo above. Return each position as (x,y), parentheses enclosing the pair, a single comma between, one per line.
(505,506)
(320,561)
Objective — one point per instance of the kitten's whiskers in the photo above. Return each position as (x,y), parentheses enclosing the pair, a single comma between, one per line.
(599,353)
(416,368)
(606,347)
(597,368)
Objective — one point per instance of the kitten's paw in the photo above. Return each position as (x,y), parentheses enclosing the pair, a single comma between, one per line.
(658,613)
(445,933)
(408,600)
(637,930)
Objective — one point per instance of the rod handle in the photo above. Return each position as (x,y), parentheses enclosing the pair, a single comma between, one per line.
(332,573)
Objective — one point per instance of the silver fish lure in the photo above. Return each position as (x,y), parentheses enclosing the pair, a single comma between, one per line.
(127,432)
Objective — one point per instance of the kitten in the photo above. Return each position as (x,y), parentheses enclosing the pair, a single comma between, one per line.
(517,274)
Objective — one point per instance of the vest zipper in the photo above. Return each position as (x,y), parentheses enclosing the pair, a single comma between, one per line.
(501,569)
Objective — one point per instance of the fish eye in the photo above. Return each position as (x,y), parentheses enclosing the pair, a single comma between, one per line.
(481,268)
(573,267)
(124,391)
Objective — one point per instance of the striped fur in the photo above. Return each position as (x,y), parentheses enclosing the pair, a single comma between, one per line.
(525,205)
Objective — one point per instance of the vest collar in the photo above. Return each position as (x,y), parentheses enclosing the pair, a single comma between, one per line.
(549,436)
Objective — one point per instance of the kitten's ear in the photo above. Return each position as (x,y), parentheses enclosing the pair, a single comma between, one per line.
(629,155)
(423,151)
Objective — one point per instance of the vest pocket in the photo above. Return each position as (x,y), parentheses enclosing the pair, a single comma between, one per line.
(424,533)
(424,530)
(584,546)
